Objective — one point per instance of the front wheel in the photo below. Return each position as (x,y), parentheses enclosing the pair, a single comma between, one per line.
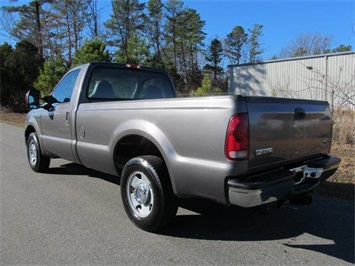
(147,194)
(37,161)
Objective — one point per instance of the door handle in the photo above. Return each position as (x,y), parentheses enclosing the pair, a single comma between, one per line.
(67,118)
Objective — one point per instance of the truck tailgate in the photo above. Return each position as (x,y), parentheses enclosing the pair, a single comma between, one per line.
(283,131)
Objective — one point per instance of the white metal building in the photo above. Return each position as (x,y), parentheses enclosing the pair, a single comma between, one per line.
(328,77)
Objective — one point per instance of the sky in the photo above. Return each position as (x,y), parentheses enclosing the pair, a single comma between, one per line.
(283,20)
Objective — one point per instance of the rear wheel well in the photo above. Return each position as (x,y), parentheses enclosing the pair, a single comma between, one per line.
(133,146)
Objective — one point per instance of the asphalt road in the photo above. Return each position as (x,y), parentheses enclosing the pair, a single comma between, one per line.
(74,216)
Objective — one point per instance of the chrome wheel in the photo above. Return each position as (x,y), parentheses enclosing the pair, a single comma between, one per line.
(37,161)
(32,153)
(147,194)
(140,194)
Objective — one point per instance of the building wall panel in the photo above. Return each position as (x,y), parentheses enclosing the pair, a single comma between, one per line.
(328,77)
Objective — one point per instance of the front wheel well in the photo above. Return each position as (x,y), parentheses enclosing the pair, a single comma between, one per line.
(133,146)
(28,131)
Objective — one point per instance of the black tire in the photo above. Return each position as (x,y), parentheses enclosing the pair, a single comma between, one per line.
(36,160)
(147,194)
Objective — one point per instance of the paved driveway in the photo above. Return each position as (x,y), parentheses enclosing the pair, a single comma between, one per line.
(74,216)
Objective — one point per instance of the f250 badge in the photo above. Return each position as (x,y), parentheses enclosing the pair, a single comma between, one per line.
(263,152)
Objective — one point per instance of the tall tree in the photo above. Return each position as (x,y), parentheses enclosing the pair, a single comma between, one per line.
(183,41)
(93,19)
(55,27)
(8,73)
(126,22)
(235,42)
(19,69)
(30,24)
(189,39)
(154,28)
(71,16)
(214,57)
(193,34)
(173,9)
(255,49)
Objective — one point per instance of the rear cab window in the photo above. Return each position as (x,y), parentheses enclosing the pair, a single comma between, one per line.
(116,83)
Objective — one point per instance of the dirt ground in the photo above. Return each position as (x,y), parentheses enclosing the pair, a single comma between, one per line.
(14,119)
(341,184)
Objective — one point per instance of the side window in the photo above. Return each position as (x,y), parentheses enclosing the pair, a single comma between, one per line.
(62,93)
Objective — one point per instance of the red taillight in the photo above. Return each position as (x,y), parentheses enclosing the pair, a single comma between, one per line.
(237,139)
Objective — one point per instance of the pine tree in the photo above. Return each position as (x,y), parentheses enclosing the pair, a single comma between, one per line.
(214,56)
(172,28)
(255,49)
(184,40)
(154,30)
(341,48)
(206,88)
(92,50)
(125,24)
(53,71)
(235,42)
(137,51)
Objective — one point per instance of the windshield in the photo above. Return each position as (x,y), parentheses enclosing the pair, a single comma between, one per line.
(112,83)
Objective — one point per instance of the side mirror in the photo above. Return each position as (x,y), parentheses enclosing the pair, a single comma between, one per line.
(32,99)
(49,99)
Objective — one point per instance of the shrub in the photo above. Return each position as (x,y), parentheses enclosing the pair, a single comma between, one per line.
(344,126)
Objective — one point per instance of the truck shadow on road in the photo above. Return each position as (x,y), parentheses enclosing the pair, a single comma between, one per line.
(77,169)
(329,219)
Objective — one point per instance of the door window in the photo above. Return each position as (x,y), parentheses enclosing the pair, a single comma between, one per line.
(62,93)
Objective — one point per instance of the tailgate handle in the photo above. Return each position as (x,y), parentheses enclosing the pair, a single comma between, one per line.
(299,114)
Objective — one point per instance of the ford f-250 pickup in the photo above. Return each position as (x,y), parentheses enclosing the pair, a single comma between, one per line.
(127,120)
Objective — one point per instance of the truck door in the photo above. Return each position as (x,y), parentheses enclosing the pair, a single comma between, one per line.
(56,122)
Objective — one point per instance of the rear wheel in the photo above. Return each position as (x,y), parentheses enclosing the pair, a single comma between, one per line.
(147,194)
(37,161)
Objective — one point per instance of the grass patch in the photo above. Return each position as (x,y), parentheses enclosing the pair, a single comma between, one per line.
(342,183)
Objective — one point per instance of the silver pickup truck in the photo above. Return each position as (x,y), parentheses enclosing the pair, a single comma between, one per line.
(126,120)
